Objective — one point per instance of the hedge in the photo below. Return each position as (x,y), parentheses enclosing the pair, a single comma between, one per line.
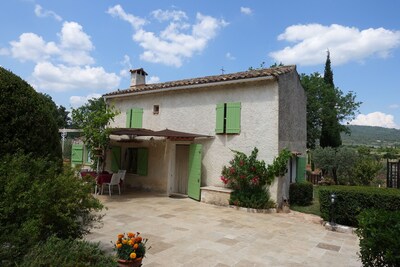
(351,200)
(301,193)
(379,233)
(67,252)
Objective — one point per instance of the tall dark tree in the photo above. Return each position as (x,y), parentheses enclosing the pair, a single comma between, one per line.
(328,74)
(26,118)
(330,130)
(327,108)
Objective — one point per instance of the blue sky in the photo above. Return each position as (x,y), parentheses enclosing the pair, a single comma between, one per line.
(75,50)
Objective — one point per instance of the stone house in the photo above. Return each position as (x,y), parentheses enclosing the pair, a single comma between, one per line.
(175,137)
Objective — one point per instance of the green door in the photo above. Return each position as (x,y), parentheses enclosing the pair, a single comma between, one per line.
(194,171)
(115,158)
(77,154)
(301,169)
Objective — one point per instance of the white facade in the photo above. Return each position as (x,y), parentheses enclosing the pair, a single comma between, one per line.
(192,109)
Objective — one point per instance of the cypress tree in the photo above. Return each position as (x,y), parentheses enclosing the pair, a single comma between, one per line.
(330,130)
(328,74)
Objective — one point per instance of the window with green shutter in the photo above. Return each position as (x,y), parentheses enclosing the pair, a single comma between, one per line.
(77,154)
(142,161)
(228,118)
(134,118)
(115,158)
(136,160)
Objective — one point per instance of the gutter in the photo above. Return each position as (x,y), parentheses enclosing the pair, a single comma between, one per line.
(192,86)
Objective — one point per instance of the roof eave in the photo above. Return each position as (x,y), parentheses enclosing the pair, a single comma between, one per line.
(192,86)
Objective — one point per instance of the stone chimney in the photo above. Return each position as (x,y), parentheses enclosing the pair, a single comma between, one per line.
(138,77)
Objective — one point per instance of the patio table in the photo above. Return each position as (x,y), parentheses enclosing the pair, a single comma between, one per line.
(91,173)
(103,178)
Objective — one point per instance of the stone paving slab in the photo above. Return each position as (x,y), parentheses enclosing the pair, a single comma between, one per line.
(184,232)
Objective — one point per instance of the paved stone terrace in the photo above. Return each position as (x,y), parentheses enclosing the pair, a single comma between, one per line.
(183,232)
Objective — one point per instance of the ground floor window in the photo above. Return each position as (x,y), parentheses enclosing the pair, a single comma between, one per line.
(135,160)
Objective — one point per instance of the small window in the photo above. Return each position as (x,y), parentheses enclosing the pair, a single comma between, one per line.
(228,118)
(156,109)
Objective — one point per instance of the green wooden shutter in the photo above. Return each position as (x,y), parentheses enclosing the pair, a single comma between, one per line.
(194,180)
(142,161)
(115,158)
(128,118)
(77,154)
(301,169)
(233,117)
(220,118)
(137,118)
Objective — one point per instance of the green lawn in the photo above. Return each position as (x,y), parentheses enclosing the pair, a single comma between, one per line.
(313,208)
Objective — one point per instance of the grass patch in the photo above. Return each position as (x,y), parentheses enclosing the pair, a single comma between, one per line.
(314,208)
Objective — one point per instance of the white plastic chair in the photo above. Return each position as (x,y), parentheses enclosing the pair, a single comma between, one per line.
(115,180)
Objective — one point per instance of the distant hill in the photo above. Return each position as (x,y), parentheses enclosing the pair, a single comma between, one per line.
(372,136)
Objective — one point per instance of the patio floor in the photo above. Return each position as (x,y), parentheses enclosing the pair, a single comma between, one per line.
(183,232)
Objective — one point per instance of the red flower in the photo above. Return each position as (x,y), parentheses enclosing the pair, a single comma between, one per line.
(255,180)
(224,180)
(232,170)
(241,163)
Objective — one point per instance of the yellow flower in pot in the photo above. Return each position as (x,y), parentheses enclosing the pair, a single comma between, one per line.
(131,248)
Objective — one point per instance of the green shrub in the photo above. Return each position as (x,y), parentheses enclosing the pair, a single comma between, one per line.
(67,252)
(27,119)
(255,199)
(379,233)
(301,193)
(351,200)
(36,202)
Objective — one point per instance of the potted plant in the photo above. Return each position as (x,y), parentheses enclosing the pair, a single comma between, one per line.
(131,248)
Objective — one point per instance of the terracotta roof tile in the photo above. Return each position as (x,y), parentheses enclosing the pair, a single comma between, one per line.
(271,72)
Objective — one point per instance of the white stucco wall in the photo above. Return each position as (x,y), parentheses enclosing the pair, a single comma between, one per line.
(194,111)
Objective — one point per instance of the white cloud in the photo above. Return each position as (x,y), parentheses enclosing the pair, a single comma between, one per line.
(345,44)
(46,13)
(77,101)
(65,65)
(229,56)
(246,10)
(163,15)
(32,47)
(74,46)
(375,119)
(154,79)
(178,41)
(48,76)
(394,106)
(118,11)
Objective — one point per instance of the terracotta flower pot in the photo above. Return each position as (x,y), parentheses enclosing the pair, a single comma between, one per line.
(130,263)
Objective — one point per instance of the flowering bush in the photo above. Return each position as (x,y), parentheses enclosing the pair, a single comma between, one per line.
(250,178)
(246,172)
(130,246)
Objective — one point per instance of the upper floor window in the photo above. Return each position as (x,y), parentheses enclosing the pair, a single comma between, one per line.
(134,118)
(228,118)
